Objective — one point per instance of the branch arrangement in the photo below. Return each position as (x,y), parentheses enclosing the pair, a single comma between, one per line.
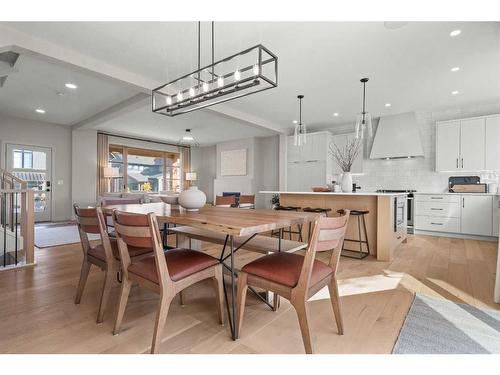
(345,155)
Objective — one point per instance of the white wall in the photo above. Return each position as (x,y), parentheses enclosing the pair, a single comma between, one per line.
(84,167)
(267,167)
(203,162)
(58,138)
(418,173)
(262,168)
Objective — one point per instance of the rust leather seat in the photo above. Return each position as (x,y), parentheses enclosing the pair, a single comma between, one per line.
(285,268)
(181,263)
(99,253)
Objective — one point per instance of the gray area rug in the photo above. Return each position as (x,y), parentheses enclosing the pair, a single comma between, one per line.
(435,326)
(47,236)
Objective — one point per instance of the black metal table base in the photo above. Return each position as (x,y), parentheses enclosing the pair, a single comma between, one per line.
(231,312)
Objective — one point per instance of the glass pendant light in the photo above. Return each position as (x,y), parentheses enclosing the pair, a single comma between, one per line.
(188,139)
(364,119)
(300,133)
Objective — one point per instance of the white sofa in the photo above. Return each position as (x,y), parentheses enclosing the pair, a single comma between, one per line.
(144,197)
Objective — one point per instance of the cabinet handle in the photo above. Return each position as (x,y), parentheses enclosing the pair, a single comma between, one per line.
(457,163)
(463,202)
(437,209)
(462,162)
(436,197)
(437,223)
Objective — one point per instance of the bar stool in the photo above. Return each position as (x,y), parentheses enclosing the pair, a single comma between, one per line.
(276,233)
(349,253)
(322,211)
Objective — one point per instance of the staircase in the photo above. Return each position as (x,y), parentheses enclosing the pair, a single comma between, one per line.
(16,222)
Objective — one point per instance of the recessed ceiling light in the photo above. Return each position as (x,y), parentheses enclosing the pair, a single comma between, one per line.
(388,104)
(455,32)
(336,114)
(39,110)
(455,69)
(455,92)
(71,85)
(295,122)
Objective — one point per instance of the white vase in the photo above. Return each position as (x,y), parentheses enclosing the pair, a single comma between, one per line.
(347,182)
(192,199)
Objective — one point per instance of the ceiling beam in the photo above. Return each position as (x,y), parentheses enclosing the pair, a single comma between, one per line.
(119,109)
(23,43)
(249,119)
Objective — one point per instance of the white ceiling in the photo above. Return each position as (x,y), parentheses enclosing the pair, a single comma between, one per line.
(36,84)
(408,67)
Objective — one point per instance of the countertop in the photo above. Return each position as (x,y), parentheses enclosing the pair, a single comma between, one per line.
(448,193)
(359,193)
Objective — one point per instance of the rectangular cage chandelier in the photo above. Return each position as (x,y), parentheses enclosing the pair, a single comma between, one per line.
(247,72)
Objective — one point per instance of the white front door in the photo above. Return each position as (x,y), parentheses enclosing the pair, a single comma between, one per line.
(33,164)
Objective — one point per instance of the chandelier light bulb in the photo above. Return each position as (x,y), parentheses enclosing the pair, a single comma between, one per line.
(191,92)
(205,87)
(255,70)
(169,100)
(180,97)
(237,75)
(220,82)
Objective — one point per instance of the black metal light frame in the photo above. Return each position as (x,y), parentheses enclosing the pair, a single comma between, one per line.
(232,90)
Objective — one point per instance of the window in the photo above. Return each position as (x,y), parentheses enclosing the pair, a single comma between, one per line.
(23,159)
(115,160)
(146,170)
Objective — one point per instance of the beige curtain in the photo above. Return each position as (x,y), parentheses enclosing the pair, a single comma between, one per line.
(102,162)
(186,165)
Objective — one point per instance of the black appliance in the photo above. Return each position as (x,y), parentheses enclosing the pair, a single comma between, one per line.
(410,206)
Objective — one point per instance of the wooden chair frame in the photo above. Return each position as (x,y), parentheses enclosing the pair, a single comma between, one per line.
(110,266)
(166,288)
(229,200)
(328,234)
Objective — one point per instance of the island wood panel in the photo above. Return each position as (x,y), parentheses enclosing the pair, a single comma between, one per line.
(337,202)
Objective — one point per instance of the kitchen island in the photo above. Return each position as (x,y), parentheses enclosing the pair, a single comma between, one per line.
(385,231)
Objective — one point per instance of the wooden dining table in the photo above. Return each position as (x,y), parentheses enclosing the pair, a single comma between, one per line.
(232,222)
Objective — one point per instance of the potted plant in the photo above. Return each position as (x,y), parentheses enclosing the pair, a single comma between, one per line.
(345,156)
(275,200)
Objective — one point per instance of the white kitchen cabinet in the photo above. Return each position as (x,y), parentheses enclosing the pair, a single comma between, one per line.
(492,144)
(310,164)
(496,215)
(293,152)
(341,140)
(448,146)
(476,215)
(472,144)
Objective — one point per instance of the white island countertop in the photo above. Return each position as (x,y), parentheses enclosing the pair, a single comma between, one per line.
(448,193)
(360,193)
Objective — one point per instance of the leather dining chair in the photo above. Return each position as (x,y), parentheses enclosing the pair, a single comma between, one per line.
(104,255)
(225,201)
(247,201)
(297,278)
(165,272)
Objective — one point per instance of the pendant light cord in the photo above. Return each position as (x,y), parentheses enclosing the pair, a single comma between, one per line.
(199,51)
(364,98)
(213,48)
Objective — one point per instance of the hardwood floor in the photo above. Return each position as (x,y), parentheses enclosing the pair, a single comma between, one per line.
(38,314)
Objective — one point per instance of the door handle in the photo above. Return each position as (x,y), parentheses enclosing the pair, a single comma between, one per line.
(437,223)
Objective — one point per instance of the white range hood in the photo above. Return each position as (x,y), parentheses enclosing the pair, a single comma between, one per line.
(397,137)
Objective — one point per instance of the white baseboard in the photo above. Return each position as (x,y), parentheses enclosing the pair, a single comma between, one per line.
(456,235)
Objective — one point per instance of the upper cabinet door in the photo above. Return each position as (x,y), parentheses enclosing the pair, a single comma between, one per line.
(341,140)
(294,153)
(472,144)
(448,146)
(492,141)
(316,147)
